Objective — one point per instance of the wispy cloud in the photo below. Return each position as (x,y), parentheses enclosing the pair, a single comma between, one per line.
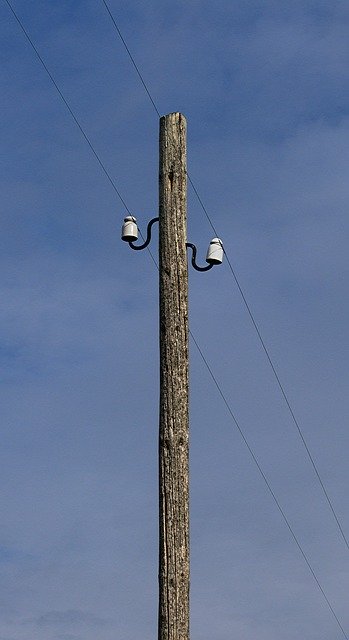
(68,618)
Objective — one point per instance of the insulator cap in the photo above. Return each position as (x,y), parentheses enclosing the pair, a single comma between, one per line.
(215,252)
(129,231)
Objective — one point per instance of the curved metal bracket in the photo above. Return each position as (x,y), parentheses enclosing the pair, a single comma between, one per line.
(145,244)
(193,258)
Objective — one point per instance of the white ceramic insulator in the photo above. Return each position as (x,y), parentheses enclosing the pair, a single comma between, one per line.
(129,229)
(215,252)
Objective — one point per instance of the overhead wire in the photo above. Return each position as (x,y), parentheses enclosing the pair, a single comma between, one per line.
(266,481)
(78,124)
(131,58)
(246,304)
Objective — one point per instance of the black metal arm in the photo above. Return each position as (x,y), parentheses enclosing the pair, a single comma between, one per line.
(143,246)
(193,259)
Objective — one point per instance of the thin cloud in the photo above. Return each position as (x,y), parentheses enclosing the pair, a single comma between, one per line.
(70,617)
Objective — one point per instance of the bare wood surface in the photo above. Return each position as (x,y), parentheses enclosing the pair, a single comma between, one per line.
(174,420)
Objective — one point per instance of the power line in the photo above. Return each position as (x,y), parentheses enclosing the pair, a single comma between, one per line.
(131,57)
(246,303)
(78,124)
(267,483)
(197,346)
(68,106)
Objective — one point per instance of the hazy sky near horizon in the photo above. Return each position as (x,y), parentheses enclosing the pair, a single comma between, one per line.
(265,89)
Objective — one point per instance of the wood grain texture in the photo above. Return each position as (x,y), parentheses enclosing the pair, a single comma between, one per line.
(174,418)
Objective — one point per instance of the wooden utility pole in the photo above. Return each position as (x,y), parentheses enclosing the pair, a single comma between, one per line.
(174,414)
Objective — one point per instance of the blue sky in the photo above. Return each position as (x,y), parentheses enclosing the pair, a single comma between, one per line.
(264,87)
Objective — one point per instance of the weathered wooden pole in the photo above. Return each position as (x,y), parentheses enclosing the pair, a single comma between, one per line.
(174,415)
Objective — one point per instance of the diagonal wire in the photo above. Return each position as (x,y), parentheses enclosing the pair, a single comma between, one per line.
(277,377)
(101,164)
(96,155)
(131,57)
(247,305)
(265,479)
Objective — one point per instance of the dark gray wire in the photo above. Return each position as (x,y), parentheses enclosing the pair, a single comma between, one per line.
(131,57)
(248,308)
(199,350)
(267,483)
(68,106)
(101,164)
(277,377)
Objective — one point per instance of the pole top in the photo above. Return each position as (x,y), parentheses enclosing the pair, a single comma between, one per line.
(175,115)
